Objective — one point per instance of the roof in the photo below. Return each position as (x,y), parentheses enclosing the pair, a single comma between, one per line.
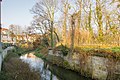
(4,29)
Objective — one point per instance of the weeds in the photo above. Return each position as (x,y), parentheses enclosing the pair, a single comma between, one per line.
(15,69)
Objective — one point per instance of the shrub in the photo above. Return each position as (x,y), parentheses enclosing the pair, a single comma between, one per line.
(43,41)
(65,50)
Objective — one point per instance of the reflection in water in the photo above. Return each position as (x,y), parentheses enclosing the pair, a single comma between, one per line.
(50,72)
(39,65)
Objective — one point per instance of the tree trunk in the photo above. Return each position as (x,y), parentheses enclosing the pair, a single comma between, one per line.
(73,33)
(99,20)
(52,43)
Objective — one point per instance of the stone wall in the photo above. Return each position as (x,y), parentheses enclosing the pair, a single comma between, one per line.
(4,54)
(0,61)
(99,67)
(96,67)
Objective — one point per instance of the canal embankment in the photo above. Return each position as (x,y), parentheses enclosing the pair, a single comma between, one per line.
(100,64)
(49,71)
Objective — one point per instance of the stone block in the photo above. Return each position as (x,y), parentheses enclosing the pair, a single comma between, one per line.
(99,68)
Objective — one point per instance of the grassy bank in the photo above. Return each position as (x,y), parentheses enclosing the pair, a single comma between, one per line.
(15,69)
(21,51)
(113,52)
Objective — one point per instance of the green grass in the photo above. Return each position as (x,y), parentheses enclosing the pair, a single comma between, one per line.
(39,55)
(113,52)
(21,51)
(116,49)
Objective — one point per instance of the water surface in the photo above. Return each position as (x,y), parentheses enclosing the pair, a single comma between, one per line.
(49,71)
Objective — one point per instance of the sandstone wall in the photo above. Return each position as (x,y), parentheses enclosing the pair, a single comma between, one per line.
(97,67)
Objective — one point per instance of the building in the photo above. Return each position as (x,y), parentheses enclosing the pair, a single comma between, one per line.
(5,36)
(8,37)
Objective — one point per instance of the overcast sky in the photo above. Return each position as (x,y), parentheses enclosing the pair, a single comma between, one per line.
(17,12)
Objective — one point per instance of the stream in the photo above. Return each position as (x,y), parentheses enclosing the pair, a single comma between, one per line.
(49,71)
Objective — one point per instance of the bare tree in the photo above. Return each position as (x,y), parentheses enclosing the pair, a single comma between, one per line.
(66,7)
(46,10)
